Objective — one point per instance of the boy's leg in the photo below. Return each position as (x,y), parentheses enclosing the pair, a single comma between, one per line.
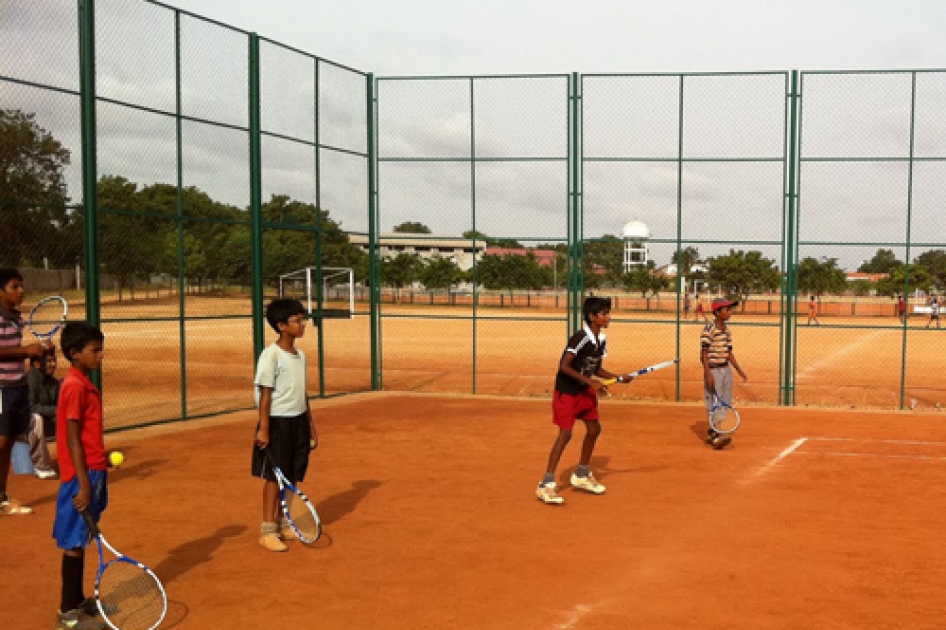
(546,492)
(269,530)
(73,571)
(583,478)
(39,453)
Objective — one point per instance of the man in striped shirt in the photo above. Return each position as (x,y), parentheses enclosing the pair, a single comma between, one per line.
(14,392)
(717,356)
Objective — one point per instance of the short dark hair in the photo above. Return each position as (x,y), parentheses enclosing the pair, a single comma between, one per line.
(76,336)
(7,274)
(595,305)
(279,311)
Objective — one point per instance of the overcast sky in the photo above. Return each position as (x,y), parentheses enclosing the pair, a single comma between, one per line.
(726,119)
(512,36)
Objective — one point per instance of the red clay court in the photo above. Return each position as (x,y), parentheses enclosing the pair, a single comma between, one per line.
(812,519)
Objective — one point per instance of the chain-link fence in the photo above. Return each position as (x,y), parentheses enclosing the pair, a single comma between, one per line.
(170,174)
(210,162)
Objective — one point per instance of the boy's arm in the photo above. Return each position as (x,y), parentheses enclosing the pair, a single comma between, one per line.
(265,405)
(77,453)
(735,364)
(28,351)
(314,443)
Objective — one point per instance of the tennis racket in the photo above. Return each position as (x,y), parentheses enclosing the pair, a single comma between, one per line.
(48,316)
(723,418)
(129,595)
(299,511)
(646,370)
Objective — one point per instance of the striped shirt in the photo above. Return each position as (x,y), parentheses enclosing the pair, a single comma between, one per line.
(718,345)
(12,371)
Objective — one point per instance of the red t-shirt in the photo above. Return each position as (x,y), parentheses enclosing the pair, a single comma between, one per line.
(80,401)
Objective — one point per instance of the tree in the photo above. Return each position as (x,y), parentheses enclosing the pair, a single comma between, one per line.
(935,262)
(510,271)
(684,259)
(603,261)
(884,261)
(411,227)
(400,271)
(821,277)
(439,273)
(642,278)
(895,283)
(34,221)
(743,273)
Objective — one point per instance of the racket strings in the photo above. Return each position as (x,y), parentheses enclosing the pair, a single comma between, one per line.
(46,317)
(130,597)
(303,517)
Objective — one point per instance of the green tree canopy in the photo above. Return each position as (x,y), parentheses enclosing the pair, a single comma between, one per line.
(884,261)
(34,221)
(685,258)
(895,283)
(439,273)
(820,277)
(935,262)
(743,273)
(411,227)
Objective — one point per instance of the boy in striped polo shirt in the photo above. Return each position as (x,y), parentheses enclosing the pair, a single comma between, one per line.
(14,392)
(717,356)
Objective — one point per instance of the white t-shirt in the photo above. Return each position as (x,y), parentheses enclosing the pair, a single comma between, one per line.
(285,373)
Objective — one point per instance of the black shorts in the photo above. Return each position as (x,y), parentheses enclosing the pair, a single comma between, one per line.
(14,410)
(288,446)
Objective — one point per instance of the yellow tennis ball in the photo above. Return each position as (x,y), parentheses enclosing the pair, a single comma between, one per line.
(115,458)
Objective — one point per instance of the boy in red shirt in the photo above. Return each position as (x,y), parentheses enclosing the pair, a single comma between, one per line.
(82,468)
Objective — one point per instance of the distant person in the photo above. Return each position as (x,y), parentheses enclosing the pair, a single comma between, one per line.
(901,309)
(44,394)
(699,309)
(813,311)
(686,306)
(934,312)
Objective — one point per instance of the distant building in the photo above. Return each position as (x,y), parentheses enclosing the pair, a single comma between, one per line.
(670,270)
(636,234)
(853,276)
(545,257)
(460,250)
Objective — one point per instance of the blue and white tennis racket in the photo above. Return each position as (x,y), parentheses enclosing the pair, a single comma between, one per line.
(298,510)
(723,417)
(48,316)
(128,594)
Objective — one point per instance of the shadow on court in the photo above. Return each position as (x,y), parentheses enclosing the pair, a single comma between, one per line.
(177,612)
(336,507)
(600,465)
(185,557)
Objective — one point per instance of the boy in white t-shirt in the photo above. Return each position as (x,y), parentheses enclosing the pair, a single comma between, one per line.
(285,427)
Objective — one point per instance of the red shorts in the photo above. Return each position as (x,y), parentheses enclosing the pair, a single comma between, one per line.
(566,408)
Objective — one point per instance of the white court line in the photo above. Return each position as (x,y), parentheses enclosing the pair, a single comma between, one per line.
(844,439)
(886,456)
(788,451)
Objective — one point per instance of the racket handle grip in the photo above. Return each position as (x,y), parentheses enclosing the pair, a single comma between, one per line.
(90,522)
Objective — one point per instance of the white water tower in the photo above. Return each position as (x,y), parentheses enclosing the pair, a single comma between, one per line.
(636,234)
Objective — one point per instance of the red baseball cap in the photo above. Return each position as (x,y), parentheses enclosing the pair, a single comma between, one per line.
(719,303)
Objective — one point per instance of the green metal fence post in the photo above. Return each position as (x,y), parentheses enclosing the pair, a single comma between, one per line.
(319,297)
(182,322)
(906,275)
(679,223)
(374,262)
(256,192)
(473,206)
(575,232)
(788,318)
(93,305)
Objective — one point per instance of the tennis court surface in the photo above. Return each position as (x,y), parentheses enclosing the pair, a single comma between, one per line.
(812,519)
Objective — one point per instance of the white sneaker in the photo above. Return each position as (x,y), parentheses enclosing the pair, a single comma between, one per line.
(46,474)
(547,494)
(588,483)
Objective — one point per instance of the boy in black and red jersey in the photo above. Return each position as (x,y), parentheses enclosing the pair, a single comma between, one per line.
(576,397)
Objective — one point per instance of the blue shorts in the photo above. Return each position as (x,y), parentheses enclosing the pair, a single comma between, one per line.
(70,530)
(14,410)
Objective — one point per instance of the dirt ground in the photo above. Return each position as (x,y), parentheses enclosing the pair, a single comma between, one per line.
(811,519)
